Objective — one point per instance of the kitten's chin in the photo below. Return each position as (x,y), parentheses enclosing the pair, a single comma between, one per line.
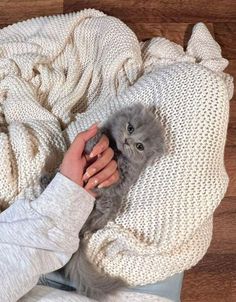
(123,149)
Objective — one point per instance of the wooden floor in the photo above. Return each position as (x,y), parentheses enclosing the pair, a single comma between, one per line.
(214,278)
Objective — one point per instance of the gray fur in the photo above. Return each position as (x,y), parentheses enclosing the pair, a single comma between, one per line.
(130,162)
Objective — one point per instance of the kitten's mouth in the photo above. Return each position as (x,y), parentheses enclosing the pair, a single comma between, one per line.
(122,145)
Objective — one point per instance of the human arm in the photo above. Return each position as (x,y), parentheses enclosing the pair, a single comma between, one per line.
(40,236)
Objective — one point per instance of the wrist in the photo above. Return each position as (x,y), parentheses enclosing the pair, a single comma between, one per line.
(76,180)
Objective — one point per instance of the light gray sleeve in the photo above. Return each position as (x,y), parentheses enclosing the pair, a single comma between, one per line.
(40,236)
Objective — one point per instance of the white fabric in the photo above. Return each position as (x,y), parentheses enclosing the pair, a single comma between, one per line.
(67,71)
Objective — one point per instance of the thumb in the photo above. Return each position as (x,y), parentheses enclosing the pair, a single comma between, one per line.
(77,147)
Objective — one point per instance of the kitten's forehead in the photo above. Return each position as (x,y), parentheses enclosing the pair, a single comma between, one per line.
(142,119)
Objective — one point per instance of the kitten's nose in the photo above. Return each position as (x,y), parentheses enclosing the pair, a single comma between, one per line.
(126,141)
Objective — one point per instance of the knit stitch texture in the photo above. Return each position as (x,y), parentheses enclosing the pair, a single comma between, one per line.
(60,74)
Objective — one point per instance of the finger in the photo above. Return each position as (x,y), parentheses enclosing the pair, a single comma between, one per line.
(77,147)
(102,176)
(91,159)
(101,146)
(99,164)
(111,180)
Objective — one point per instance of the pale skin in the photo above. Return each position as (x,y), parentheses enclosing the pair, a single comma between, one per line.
(97,169)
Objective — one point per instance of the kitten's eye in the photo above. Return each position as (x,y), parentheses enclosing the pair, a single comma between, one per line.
(140,146)
(130,128)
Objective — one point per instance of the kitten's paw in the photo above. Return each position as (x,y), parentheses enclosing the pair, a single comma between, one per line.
(98,192)
(92,142)
(89,146)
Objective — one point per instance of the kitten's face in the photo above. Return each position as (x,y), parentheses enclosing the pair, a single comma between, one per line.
(138,134)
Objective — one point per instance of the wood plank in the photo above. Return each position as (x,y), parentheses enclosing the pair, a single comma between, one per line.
(230,164)
(213,278)
(231,69)
(231,135)
(185,11)
(14,11)
(179,34)
(209,287)
(224,235)
(225,36)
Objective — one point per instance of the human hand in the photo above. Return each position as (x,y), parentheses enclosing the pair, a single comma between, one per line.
(103,171)
(75,162)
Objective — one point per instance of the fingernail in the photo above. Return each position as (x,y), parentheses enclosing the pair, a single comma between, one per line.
(100,186)
(94,125)
(86,175)
(91,154)
(91,171)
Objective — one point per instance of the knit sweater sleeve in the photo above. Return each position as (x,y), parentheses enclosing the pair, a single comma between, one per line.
(40,236)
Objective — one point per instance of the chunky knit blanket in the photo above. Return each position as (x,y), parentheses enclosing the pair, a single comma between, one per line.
(59,74)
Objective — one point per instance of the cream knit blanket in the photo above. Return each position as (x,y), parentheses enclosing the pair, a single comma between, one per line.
(59,74)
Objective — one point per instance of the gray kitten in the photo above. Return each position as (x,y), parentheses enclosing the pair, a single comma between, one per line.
(137,139)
